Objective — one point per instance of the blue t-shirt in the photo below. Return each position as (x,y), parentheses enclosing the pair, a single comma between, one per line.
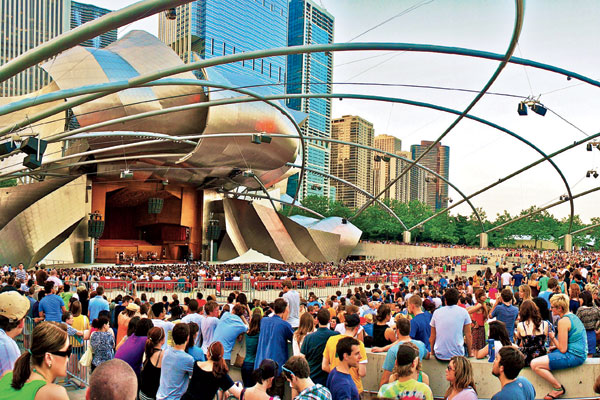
(230,326)
(518,277)
(51,305)
(449,323)
(341,386)
(273,340)
(197,353)
(546,296)
(508,315)
(177,367)
(96,305)
(420,328)
(390,357)
(520,389)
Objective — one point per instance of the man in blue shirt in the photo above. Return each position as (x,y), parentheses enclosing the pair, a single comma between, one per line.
(97,304)
(230,326)
(339,381)
(419,326)
(177,366)
(51,307)
(275,332)
(504,311)
(507,365)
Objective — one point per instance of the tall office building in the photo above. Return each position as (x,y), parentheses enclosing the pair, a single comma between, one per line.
(25,24)
(386,168)
(351,163)
(438,160)
(82,13)
(311,73)
(206,29)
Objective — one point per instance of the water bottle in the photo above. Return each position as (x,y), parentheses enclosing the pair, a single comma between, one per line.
(491,350)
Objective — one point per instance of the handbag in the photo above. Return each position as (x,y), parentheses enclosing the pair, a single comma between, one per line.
(86,358)
(238,353)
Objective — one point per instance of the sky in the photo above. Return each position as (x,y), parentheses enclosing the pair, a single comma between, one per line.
(562,33)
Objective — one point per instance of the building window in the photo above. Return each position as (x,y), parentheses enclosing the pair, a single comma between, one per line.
(223,48)
(212,46)
(270,68)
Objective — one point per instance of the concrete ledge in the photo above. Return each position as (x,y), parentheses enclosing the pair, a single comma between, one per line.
(578,381)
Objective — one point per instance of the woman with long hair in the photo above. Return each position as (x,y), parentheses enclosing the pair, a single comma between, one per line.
(479,314)
(499,334)
(132,351)
(589,315)
(383,316)
(533,284)
(150,376)
(35,371)
(251,347)
(574,300)
(532,332)
(524,292)
(307,325)
(211,375)
(191,347)
(459,374)
(263,376)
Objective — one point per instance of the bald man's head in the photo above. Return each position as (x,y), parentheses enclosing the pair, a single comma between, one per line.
(114,380)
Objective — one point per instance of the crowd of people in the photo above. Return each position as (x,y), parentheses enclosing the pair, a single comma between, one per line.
(541,312)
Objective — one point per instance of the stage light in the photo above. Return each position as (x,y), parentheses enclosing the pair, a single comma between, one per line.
(377,158)
(7,148)
(385,158)
(538,108)
(588,147)
(264,138)
(171,14)
(522,108)
(248,174)
(255,138)
(588,174)
(595,174)
(126,174)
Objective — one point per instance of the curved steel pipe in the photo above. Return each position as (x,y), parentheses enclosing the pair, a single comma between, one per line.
(520,13)
(272,199)
(356,188)
(264,189)
(90,30)
(587,228)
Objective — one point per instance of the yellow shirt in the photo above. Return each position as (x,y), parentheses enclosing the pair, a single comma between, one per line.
(80,323)
(331,355)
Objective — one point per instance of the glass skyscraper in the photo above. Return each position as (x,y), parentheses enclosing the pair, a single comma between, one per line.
(311,73)
(213,28)
(82,13)
(438,160)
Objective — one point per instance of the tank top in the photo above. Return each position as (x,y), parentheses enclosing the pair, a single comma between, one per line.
(27,392)
(150,378)
(379,339)
(577,337)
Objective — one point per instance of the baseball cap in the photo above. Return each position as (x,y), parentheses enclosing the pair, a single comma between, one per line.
(352,320)
(13,306)
(405,355)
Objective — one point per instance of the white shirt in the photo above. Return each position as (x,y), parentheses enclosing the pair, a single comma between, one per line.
(506,277)
(293,299)
(57,282)
(196,318)
(167,327)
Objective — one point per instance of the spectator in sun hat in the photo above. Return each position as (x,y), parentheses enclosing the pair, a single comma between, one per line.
(13,309)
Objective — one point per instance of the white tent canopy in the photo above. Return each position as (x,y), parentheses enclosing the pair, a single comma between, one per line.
(253,257)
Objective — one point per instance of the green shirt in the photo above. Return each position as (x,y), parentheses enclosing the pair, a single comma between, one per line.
(66,296)
(543,283)
(27,392)
(410,389)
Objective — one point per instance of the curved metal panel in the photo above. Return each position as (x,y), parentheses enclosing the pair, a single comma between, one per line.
(349,233)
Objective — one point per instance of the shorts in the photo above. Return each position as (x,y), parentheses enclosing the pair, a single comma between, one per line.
(558,360)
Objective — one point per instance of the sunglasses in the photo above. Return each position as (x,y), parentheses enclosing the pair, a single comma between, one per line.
(66,353)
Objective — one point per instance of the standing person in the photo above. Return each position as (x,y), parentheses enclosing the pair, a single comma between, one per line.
(459,374)
(306,326)
(505,311)
(275,333)
(195,316)
(571,346)
(231,325)
(97,304)
(405,386)
(420,328)
(251,339)
(479,315)
(150,376)
(589,315)
(177,366)
(123,319)
(331,357)
(340,382)
(209,323)
(507,365)
(313,347)
(113,380)
(132,351)
(36,370)
(293,299)
(158,310)
(297,372)
(450,329)
(51,307)
(209,376)
(102,341)
(13,309)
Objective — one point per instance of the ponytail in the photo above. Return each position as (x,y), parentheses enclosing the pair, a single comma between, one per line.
(215,353)
(155,335)
(21,371)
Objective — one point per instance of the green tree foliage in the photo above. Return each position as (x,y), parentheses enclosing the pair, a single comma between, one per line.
(377,224)
(8,183)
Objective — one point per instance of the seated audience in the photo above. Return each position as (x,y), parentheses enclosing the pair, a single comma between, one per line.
(405,385)
(507,365)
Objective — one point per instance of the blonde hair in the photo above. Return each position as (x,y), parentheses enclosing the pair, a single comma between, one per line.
(463,374)
(305,327)
(560,301)
(526,289)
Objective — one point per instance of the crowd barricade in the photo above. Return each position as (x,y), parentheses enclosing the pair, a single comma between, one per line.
(77,375)
(157,289)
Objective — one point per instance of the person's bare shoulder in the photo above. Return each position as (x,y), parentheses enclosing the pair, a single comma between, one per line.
(52,392)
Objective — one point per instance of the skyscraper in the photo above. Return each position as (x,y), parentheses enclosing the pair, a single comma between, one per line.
(351,163)
(82,13)
(24,24)
(311,73)
(213,28)
(386,168)
(438,160)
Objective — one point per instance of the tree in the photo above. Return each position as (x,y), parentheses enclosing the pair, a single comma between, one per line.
(8,183)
